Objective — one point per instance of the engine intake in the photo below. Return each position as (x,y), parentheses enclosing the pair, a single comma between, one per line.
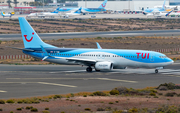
(103,66)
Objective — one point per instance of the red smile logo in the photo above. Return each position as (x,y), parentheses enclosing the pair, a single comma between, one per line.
(25,36)
(103,5)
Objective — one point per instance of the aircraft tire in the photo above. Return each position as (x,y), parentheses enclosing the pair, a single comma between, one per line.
(156,71)
(89,69)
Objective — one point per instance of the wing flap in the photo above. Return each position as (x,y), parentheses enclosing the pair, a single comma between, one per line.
(81,60)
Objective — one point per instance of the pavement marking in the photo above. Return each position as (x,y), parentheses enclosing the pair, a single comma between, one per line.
(17,82)
(117,80)
(1,91)
(69,71)
(37,83)
(127,34)
(56,84)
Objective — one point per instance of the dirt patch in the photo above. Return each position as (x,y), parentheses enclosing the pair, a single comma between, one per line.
(109,103)
(89,25)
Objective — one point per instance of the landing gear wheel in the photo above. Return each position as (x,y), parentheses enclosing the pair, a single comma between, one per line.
(156,71)
(89,69)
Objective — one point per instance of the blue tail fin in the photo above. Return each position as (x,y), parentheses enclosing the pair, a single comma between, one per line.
(30,37)
(78,11)
(169,13)
(56,11)
(2,13)
(163,7)
(103,5)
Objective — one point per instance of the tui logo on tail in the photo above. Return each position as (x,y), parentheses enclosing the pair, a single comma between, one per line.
(103,5)
(25,36)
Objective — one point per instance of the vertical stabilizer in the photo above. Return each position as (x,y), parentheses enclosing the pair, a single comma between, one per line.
(163,7)
(2,13)
(56,11)
(103,5)
(78,11)
(169,13)
(30,37)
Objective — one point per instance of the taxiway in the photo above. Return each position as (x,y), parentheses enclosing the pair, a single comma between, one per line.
(50,36)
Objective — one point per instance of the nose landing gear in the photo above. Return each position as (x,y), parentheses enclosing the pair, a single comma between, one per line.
(156,70)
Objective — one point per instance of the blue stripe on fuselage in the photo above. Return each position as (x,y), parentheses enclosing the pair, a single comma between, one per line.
(127,54)
(94,9)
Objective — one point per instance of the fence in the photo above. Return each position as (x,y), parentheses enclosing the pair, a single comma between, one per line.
(166,50)
(5,57)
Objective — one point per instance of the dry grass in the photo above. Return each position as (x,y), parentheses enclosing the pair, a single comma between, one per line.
(89,25)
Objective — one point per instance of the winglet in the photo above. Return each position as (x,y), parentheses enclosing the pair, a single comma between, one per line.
(163,7)
(98,46)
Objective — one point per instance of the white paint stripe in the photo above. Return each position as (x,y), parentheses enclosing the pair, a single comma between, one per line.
(1,91)
(37,83)
(68,71)
(117,80)
(56,84)
(42,78)
(16,82)
(126,34)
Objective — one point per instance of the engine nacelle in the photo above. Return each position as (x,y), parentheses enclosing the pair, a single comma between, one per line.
(103,66)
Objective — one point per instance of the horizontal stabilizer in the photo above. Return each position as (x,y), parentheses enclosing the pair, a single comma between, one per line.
(45,58)
(21,49)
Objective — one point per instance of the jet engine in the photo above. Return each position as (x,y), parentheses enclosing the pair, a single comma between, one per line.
(103,66)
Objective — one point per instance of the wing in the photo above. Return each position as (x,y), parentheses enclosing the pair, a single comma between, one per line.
(75,60)
(80,61)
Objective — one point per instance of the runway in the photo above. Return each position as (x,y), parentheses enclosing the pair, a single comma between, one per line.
(50,36)
(18,81)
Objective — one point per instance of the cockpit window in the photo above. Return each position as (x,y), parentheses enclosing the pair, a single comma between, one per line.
(162,56)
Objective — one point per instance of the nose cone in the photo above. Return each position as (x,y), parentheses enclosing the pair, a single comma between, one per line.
(169,61)
(172,61)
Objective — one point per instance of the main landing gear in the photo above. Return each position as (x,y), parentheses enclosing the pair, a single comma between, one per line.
(156,70)
(89,69)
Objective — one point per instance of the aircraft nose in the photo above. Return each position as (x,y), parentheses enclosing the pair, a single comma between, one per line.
(170,61)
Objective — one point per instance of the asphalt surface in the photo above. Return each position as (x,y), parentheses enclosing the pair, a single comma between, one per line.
(18,81)
(50,36)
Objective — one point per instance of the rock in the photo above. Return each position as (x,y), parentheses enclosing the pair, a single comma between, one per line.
(163,88)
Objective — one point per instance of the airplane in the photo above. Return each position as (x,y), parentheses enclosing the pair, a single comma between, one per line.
(7,15)
(159,14)
(151,10)
(174,14)
(84,10)
(73,13)
(99,59)
(45,14)
(95,10)
(67,9)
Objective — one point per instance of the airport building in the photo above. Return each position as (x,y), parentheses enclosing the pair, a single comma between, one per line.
(129,5)
(134,5)
(174,2)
